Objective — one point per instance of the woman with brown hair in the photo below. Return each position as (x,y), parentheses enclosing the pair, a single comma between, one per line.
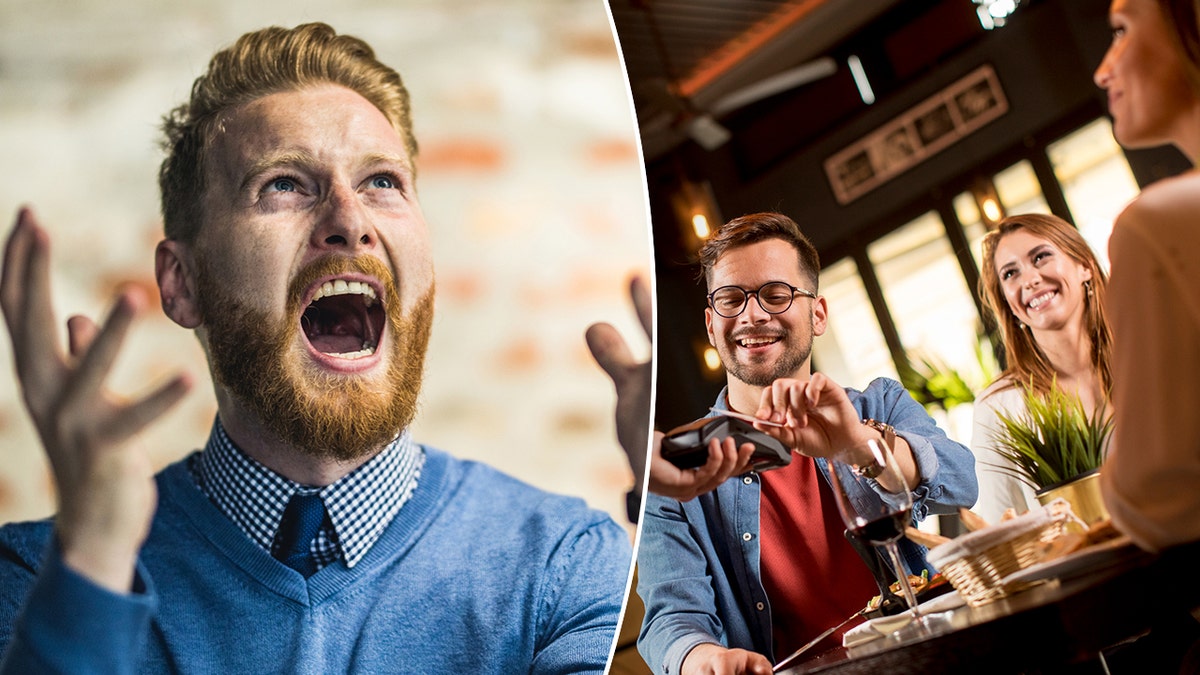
(1042,283)
(1151,478)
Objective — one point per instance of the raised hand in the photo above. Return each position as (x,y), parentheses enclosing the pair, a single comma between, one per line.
(106,493)
(631,378)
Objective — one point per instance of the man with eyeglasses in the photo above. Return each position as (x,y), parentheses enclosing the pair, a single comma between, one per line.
(750,571)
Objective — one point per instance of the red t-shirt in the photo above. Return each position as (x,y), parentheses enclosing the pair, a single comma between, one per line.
(812,575)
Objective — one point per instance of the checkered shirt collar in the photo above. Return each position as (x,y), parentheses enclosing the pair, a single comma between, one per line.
(360,505)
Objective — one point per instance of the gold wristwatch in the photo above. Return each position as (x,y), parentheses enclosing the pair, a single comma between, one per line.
(889,442)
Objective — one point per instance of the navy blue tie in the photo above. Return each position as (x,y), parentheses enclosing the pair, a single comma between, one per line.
(301,521)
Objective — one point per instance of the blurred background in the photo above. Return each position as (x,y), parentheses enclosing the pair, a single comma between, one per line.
(896,133)
(529,178)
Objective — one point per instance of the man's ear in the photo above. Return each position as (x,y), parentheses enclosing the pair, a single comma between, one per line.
(708,326)
(176,282)
(820,315)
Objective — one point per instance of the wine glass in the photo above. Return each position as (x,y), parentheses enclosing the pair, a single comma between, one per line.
(875,502)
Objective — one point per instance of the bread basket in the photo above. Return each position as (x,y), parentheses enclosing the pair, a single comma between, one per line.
(977,562)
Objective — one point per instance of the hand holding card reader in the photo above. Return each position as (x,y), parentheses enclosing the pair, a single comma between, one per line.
(687,446)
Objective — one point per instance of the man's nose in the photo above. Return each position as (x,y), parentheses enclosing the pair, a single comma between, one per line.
(754,312)
(344,223)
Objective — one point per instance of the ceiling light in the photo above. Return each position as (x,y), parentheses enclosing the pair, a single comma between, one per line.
(860,79)
(994,13)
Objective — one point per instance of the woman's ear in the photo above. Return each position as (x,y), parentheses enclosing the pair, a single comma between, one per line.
(176,282)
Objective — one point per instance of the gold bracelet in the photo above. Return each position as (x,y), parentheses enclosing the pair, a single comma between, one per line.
(889,442)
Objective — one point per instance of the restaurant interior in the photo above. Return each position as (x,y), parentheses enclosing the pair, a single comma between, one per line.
(895,134)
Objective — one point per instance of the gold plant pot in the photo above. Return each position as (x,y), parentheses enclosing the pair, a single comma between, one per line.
(1082,493)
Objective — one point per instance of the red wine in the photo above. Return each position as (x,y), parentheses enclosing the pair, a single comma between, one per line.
(885,529)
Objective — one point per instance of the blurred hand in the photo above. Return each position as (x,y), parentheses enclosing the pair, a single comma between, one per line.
(631,378)
(711,659)
(106,493)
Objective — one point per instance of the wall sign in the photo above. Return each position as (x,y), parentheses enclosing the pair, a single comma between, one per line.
(922,131)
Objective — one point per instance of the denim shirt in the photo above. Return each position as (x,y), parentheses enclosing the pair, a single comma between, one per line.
(698,561)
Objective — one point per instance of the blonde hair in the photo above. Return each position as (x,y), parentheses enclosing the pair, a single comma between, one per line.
(265,62)
(1026,364)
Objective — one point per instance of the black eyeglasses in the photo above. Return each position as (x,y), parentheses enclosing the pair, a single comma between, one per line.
(774,297)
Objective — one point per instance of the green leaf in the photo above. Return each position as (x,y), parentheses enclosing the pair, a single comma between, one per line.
(1054,440)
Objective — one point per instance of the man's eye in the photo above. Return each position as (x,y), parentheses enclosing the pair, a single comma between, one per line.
(383,182)
(281,185)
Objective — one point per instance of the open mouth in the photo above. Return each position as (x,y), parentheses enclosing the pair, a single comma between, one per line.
(1037,302)
(344,319)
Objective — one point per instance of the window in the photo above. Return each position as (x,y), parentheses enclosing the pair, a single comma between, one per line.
(852,351)
(929,301)
(1019,190)
(1096,181)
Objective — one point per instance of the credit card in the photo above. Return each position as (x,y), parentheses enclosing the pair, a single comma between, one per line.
(745,417)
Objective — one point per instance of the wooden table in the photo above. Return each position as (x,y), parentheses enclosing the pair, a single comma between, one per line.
(1040,629)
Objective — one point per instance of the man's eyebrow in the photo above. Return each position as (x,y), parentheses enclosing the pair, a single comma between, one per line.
(376,158)
(293,158)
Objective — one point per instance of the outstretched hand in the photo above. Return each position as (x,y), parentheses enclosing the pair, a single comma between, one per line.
(633,383)
(105,485)
(631,378)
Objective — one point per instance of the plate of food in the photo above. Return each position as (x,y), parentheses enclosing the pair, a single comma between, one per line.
(924,587)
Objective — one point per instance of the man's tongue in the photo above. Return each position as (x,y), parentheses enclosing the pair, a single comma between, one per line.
(334,327)
(337,344)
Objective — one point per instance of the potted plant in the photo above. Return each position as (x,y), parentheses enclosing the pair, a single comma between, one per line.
(1056,448)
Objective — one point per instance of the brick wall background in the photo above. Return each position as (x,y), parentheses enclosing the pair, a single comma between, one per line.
(529,179)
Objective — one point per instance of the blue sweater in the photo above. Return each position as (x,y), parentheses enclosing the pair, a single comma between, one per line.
(478,573)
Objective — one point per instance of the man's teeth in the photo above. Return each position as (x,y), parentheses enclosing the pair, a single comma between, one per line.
(342,287)
(367,350)
(756,341)
(1041,300)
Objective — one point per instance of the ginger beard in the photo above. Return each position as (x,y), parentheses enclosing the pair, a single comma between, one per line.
(261,360)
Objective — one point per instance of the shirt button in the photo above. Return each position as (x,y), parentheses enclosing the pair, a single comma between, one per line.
(760,606)
(747,480)
(746,536)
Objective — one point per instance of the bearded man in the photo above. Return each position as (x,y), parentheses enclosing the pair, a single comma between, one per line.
(759,566)
(311,534)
